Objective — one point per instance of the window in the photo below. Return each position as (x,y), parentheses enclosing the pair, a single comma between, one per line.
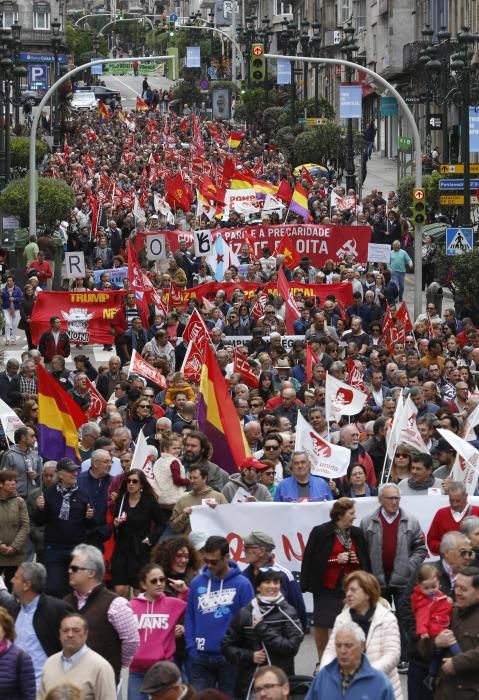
(9,17)
(359,10)
(345,11)
(41,18)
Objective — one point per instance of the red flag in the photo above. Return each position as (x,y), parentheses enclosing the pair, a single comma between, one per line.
(196,330)
(229,170)
(97,402)
(355,376)
(193,362)
(141,105)
(242,367)
(258,308)
(402,315)
(311,359)
(177,192)
(291,310)
(91,135)
(284,192)
(287,248)
(305,175)
(140,366)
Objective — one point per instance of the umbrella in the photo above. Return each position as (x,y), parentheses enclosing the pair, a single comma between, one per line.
(313,168)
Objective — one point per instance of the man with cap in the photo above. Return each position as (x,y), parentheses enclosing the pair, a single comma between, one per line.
(163,681)
(259,553)
(450,518)
(244,486)
(65,511)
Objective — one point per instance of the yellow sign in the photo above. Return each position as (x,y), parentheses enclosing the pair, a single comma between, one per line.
(457,168)
(455,199)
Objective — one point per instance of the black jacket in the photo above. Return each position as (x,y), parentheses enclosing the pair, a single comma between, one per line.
(5,386)
(318,549)
(279,634)
(46,619)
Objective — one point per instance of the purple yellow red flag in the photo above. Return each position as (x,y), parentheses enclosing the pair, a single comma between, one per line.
(299,202)
(217,416)
(59,418)
(235,139)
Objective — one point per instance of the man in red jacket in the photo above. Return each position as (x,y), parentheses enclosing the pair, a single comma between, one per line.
(450,518)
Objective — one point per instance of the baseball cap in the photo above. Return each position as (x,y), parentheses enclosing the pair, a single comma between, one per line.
(251,463)
(159,677)
(67,465)
(259,539)
(442,446)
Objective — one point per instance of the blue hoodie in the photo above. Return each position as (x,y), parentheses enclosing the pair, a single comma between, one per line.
(212,604)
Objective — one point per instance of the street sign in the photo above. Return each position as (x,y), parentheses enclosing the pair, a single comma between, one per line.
(413,100)
(435,122)
(38,76)
(454,184)
(173,17)
(457,168)
(25,57)
(312,121)
(448,199)
(459,241)
(405,143)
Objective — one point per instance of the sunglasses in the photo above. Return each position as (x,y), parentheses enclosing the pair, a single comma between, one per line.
(160,579)
(212,561)
(401,454)
(73,568)
(271,447)
(132,481)
(466,553)
(255,405)
(144,405)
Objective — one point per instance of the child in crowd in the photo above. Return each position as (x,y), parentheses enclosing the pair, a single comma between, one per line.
(432,609)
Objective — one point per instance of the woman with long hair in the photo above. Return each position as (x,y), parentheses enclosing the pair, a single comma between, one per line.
(266,387)
(142,418)
(138,523)
(356,485)
(157,642)
(401,464)
(29,414)
(179,560)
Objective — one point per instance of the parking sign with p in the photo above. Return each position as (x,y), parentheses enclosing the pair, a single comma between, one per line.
(38,76)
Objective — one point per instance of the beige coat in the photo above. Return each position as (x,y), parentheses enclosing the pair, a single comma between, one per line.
(14,529)
(180,521)
(383,644)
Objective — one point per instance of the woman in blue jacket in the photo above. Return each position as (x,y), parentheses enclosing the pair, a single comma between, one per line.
(17,677)
(11,299)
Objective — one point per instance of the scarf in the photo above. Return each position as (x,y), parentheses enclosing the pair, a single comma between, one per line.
(66,494)
(262,606)
(344,536)
(415,486)
(364,621)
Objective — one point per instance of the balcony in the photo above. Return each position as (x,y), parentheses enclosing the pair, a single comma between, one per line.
(411,54)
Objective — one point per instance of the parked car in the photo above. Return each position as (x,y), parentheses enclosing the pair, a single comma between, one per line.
(101,92)
(84,101)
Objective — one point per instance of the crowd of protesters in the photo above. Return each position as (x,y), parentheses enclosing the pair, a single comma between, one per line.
(102,570)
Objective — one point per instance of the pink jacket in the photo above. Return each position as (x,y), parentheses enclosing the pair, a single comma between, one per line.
(156,625)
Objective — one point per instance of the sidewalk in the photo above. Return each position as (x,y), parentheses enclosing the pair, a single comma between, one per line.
(382,175)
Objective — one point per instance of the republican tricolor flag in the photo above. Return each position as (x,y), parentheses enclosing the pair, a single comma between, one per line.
(235,139)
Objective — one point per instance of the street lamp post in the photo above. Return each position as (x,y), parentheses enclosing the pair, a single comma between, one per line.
(16,36)
(292,48)
(266,35)
(444,38)
(316,46)
(349,48)
(55,27)
(304,41)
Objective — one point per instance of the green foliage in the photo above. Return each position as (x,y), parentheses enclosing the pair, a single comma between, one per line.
(325,108)
(159,40)
(271,117)
(55,200)
(187,92)
(285,139)
(80,44)
(19,148)
(316,144)
(430,184)
(467,282)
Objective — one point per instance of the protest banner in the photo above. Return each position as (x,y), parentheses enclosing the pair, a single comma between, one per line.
(117,275)
(86,316)
(289,524)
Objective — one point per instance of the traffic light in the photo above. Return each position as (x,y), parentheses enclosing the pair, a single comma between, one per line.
(418,209)
(172,28)
(243,87)
(258,63)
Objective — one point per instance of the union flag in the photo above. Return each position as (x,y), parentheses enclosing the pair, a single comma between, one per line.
(287,248)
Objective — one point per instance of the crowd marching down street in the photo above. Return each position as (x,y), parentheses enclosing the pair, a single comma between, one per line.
(270,447)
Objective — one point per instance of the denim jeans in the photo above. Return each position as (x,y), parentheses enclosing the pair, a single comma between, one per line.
(398,278)
(211,671)
(57,560)
(416,690)
(135,680)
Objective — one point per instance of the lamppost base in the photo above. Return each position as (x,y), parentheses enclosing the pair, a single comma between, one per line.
(350,182)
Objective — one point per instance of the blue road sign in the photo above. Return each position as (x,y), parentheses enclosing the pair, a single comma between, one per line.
(459,241)
(173,17)
(41,57)
(38,76)
(456,184)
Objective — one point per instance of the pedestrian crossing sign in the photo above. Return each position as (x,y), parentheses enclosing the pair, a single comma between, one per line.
(459,241)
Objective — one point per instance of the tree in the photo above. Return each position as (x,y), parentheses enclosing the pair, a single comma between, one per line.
(467,283)
(187,92)
(19,149)
(55,201)
(319,143)
(429,182)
